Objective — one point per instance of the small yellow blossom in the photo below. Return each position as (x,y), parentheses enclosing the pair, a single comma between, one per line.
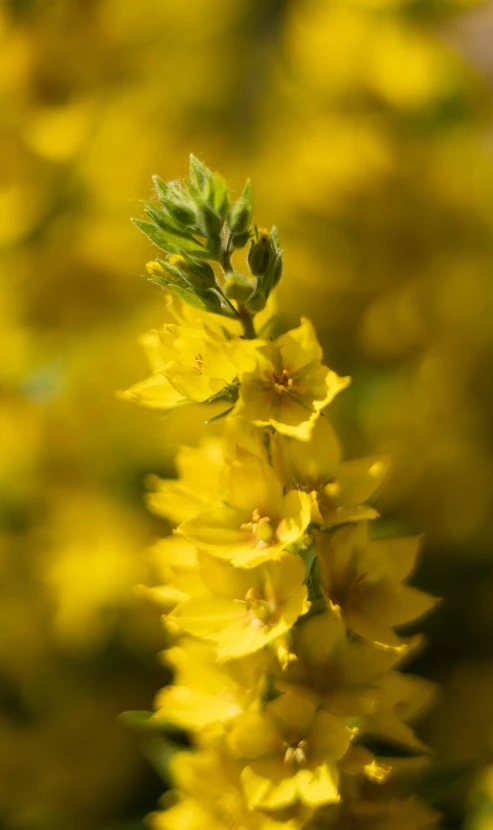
(188,364)
(362,581)
(291,749)
(175,561)
(212,797)
(257,521)
(206,693)
(402,698)
(200,484)
(244,609)
(344,675)
(289,385)
(339,488)
(155,392)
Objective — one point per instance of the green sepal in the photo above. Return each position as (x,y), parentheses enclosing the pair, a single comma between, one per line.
(272,275)
(230,393)
(201,178)
(240,215)
(221,415)
(221,197)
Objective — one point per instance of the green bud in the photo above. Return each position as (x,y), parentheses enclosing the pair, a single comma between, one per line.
(239,240)
(240,215)
(238,288)
(272,275)
(260,254)
(200,176)
(256,302)
(155,269)
(196,272)
(181,213)
(210,222)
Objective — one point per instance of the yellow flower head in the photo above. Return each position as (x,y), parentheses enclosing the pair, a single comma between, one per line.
(339,489)
(289,386)
(206,693)
(188,364)
(201,483)
(342,674)
(257,521)
(212,797)
(243,610)
(362,581)
(291,749)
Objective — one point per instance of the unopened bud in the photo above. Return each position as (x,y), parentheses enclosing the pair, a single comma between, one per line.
(260,254)
(238,288)
(256,302)
(155,269)
(210,221)
(197,272)
(239,240)
(240,215)
(181,213)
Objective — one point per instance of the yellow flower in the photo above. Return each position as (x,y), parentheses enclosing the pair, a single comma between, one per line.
(289,386)
(291,749)
(189,364)
(212,797)
(257,522)
(341,673)
(206,693)
(175,561)
(362,580)
(339,489)
(155,392)
(244,610)
(200,484)
(401,698)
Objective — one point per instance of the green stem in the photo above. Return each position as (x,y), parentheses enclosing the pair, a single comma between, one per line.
(246,320)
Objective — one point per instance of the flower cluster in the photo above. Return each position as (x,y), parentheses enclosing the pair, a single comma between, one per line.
(281,601)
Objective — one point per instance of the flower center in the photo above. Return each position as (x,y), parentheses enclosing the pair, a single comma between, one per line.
(295,755)
(198,363)
(261,611)
(283,383)
(261,528)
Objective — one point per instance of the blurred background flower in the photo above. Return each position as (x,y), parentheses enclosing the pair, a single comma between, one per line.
(366,128)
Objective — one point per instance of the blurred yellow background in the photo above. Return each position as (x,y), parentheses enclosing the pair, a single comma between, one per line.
(366,127)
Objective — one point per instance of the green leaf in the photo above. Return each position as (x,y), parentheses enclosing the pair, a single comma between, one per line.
(161,187)
(169,242)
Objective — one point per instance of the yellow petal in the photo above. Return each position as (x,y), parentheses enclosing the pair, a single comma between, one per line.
(252,735)
(318,786)
(155,392)
(296,509)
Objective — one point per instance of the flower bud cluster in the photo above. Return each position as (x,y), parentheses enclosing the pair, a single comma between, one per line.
(281,601)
